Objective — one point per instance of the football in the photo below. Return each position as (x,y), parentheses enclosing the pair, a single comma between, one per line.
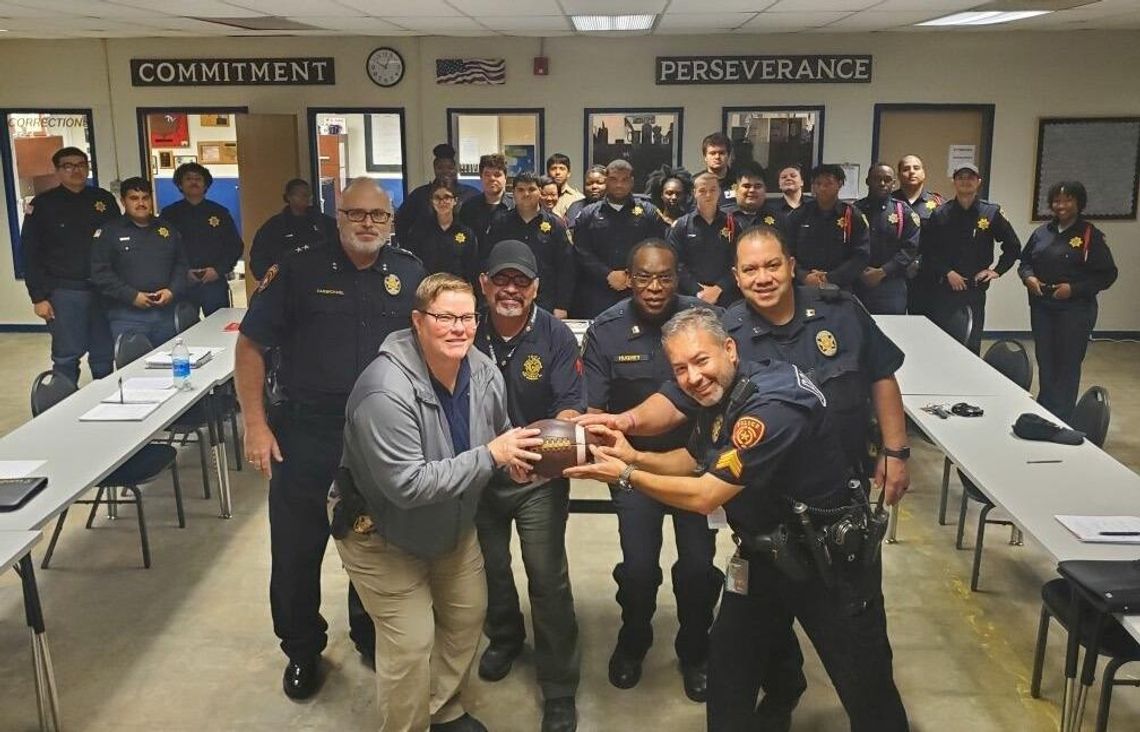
(564,445)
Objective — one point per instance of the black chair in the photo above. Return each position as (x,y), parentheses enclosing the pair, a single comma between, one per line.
(1092,415)
(144,466)
(1009,358)
(1059,601)
(130,346)
(185,315)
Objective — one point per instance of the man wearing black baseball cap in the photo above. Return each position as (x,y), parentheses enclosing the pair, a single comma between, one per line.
(539,359)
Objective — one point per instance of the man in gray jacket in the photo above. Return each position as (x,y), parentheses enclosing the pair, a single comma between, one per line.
(419,446)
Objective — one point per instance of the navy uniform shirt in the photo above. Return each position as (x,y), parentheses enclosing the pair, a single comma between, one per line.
(962,240)
(418,206)
(924,205)
(454,249)
(56,238)
(575,209)
(768,215)
(286,232)
(786,208)
(705,254)
(775,443)
(545,234)
(834,241)
(540,366)
(209,234)
(626,364)
(477,215)
(1078,255)
(894,234)
(127,259)
(603,238)
(329,318)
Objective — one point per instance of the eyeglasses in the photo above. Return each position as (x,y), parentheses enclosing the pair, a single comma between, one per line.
(443,199)
(72,167)
(502,279)
(356,215)
(643,279)
(448,320)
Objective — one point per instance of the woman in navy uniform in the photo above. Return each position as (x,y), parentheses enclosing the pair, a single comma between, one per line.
(442,242)
(827,236)
(1066,262)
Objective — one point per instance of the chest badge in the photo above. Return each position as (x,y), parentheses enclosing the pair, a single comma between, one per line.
(717,424)
(931,205)
(532,368)
(839,222)
(826,343)
(725,233)
(214,221)
(747,432)
(100,206)
(893,218)
(1076,242)
(637,210)
(544,227)
(983,223)
(392,284)
(460,237)
(769,220)
(163,232)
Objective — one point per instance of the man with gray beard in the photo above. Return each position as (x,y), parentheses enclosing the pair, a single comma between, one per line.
(327,310)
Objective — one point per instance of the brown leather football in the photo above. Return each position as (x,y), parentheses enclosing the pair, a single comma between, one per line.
(564,445)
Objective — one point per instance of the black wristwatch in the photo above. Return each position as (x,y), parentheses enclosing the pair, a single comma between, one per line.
(902,453)
(623,479)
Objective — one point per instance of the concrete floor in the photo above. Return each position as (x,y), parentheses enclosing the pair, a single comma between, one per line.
(189,645)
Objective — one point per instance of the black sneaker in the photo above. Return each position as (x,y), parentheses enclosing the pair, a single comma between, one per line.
(496,661)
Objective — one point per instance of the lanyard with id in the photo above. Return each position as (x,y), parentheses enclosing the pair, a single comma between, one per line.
(736,575)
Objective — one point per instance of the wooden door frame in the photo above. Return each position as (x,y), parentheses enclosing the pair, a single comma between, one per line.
(987,110)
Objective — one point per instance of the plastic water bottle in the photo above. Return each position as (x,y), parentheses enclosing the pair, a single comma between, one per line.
(180,363)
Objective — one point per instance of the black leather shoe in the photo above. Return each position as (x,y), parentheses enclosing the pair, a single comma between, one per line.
(559,715)
(301,679)
(625,671)
(466,723)
(496,661)
(696,678)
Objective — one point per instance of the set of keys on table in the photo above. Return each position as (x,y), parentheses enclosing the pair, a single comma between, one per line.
(962,409)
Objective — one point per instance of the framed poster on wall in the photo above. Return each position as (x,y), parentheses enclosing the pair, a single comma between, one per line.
(1103,153)
(169,129)
(646,138)
(775,137)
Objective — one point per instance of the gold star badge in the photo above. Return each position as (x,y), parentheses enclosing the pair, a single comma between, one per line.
(100,206)
(163,232)
(839,222)
(1076,242)
(826,343)
(637,210)
(214,221)
(931,205)
(893,218)
(769,220)
(730,461)
(725,233)
(392,284)
(544,227)
(460,237)
(983,223)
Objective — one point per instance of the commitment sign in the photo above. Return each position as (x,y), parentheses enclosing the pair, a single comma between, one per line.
(232,72)
(763,69)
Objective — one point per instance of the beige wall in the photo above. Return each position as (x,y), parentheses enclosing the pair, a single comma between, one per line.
(1019,72)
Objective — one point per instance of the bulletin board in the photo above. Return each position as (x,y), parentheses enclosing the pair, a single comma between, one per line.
(1103,153)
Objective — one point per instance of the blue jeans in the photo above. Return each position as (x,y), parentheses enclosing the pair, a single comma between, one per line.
(80,327)
(157,324)
(210,296)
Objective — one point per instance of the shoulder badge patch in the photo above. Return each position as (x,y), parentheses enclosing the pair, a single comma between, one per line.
(826,343)
(730,461)
(747,431)
(270,274)
(532,367)
(392,284)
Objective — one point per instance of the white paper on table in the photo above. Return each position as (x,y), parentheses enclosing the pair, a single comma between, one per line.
(139,396)
(149,382)
(19,468)
(1093,528)
(198,356)
(118,412)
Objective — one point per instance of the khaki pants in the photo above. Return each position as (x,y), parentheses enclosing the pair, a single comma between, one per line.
(429,617)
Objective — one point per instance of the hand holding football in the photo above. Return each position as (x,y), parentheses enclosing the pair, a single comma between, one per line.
(564,445)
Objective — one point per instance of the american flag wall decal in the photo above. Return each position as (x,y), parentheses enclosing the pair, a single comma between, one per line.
(470,71)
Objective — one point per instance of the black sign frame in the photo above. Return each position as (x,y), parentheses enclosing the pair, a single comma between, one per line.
(777,69)
(296,71)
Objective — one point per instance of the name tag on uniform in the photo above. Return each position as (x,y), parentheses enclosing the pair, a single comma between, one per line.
(338,293)
(124,238)
(631,357)
(718,519)
(736,575)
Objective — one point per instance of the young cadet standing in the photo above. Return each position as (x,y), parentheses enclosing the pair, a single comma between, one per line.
(717,152)
(703,242)
(751,206)
(764,450)
(1066,262)
(558,168)
(959,252)
(327,310)
(538,358)
(139,264)
(545,234)
(827,236)
(297,228)
(594,189)
(912,191)
(604,234)
(894,231)
(56,242)
(625,365)
(443,243)
(791,183)
(418,203)
(478,212)
(209,235)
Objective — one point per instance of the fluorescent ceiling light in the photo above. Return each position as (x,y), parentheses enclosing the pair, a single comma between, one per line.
(989,17)
(603,23)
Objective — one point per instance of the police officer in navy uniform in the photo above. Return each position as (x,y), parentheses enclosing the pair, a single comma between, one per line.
(764,450)
(209,235)
(624,365)
(327,309)
(442,242)
(139,264)
(750,205)
(539,359)
(56,243)
(1065,264)
(958,252)
(298,227)
(477,212)
(702,239)
(913,192)
(894,230)
(546,236)
(604,234)
(827,236)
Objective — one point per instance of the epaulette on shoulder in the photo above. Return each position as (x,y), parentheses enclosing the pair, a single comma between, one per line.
(405,253)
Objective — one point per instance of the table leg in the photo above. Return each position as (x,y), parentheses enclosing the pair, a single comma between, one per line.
(47,698)
(945,492)
(221,462)
(893,524)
